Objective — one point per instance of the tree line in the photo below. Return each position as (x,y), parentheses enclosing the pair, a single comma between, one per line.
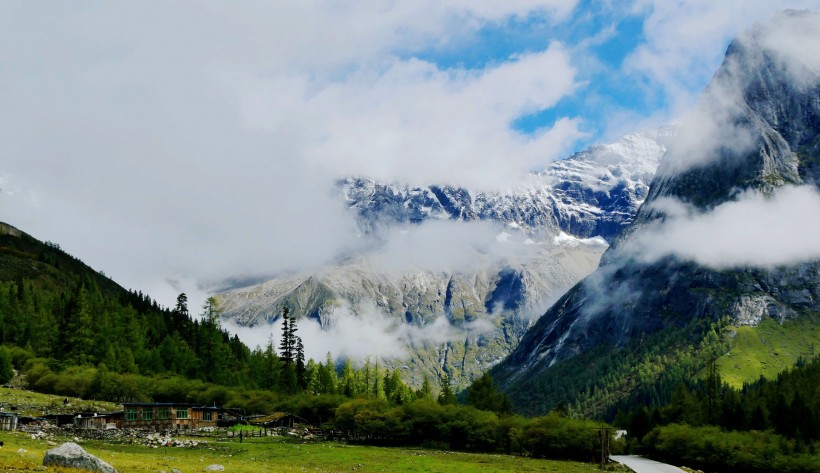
(768,425)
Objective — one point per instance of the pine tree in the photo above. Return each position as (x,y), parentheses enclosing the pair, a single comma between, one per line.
(301,379)
(426,389)
(211,311)
(347,385)
(446,395)
(286,345)
(182,305)
(327,376)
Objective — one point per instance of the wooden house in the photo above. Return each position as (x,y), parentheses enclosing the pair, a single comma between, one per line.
(93,420)
(168,416)
(279,420)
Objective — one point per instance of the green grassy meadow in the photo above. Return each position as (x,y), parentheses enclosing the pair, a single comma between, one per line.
(768,349)
(276,454)
(267,454)
(34,404)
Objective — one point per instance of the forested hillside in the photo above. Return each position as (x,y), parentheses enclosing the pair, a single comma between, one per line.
(768,425)
(52,306)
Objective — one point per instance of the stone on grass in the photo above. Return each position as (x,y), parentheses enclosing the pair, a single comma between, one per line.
(72,455)
(214,467)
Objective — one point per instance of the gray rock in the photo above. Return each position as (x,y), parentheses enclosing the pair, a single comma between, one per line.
(71,455)
(214,467)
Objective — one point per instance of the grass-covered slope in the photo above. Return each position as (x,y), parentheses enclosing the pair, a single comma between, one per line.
(768,349)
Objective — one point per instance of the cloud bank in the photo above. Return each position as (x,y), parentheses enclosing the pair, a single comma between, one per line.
(174,144)
(363,333)
(756,230)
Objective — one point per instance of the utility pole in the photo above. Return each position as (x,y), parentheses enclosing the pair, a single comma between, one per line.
(603,436)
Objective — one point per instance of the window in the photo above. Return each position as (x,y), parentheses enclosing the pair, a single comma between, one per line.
(147,413)
(206,415)
(182,413)
(164,413)
(131,414)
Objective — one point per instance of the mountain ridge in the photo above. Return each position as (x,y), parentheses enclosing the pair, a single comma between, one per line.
(630,298)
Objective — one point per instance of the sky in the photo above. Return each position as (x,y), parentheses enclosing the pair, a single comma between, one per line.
(176,144)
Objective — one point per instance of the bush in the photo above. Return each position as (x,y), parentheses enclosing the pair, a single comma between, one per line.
(712,449)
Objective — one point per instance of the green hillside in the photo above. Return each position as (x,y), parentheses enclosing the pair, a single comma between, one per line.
(648,371)
(45,265)
(768,349)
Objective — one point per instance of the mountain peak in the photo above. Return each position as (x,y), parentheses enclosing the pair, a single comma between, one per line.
(748,153)
(753,121)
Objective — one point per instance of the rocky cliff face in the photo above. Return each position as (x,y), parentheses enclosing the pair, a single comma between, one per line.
(754,133)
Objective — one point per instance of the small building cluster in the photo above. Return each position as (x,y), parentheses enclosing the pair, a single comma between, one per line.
(159,417)
(156,416)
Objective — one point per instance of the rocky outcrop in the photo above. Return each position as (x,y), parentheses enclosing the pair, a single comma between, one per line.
(71,455)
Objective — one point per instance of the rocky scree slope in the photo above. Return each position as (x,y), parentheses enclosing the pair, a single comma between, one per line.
(766,111)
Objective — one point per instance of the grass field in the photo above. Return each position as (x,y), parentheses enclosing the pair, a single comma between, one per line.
(35,404)
(267,454)
(274,454)
(768,349)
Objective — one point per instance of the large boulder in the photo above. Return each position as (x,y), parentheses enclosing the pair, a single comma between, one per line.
(72,455)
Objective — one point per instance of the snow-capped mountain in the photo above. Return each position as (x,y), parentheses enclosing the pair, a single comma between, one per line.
(550,232)
(592,193)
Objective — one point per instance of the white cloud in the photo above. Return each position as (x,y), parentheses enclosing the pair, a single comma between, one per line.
(195,141)
(756,230)
(364,332)
(685,41)
(414,122)
(192,141)
(447,246)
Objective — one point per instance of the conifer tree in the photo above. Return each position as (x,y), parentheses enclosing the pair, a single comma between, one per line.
(347,385)
(300,362)
(328,380)
(211,311)
(426,389)
(181,308)
(446,395)
(286,346)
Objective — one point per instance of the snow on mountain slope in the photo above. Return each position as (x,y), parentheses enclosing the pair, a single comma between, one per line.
(593,193)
